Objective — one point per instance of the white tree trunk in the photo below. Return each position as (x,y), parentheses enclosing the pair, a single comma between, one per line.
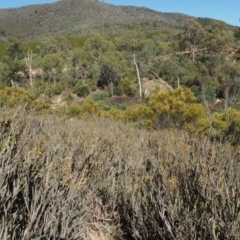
(178,81)
(138,76)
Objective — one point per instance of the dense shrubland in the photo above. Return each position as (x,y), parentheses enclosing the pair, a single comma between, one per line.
(203,57)
(176,109)
(64,178)
(206,62)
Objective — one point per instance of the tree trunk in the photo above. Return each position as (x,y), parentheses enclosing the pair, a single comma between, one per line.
(138,76)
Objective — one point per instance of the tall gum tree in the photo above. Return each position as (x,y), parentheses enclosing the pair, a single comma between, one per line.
(53,64)
(193,36)
(112,65)
(230,83)
(96,44)
(218,37)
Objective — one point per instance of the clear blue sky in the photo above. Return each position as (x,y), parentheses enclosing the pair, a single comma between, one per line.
(225,10)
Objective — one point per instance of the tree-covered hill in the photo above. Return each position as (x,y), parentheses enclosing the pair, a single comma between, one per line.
(80,17)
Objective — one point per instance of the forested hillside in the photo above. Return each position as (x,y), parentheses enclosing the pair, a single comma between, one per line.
(118,123)
(80,17)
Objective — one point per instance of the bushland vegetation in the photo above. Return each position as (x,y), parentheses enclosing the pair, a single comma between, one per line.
(204,58)
(199,63)
(83,151)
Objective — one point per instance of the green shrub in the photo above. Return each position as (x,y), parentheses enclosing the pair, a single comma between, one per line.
(108,105)
(197,92)
(57,90)
(127,87)
(2,85)
(91,107)
(42,87)
(82,90)
(131,91)
(226,126)
(93,87)
(69,97)
(74,110)
(119,90)
(100,96)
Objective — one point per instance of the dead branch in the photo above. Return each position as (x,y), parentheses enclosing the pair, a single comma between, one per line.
(163,81)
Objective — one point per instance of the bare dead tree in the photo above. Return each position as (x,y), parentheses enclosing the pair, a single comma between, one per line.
(138,76)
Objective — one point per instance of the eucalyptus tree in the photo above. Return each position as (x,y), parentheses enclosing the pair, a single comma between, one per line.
(193,37)
(218,37)
(14,61)
(53,65)
(230,83)
(96,44)
(48,45)
(82,62)
(112,65)
(131,42)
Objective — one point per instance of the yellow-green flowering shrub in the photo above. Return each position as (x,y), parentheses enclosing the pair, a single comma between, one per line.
(178,109)
(15,96)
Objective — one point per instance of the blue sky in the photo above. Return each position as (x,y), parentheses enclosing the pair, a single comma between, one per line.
(225,10)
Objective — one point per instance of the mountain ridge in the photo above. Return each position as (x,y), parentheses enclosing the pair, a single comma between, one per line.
(73,17)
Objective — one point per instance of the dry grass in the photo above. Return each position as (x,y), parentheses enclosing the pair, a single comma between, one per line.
(66,178)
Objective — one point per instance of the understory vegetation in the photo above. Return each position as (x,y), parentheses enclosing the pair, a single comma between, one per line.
(177,109)
(64,178)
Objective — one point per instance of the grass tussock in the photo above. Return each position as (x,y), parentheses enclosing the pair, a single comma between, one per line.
(62,178)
